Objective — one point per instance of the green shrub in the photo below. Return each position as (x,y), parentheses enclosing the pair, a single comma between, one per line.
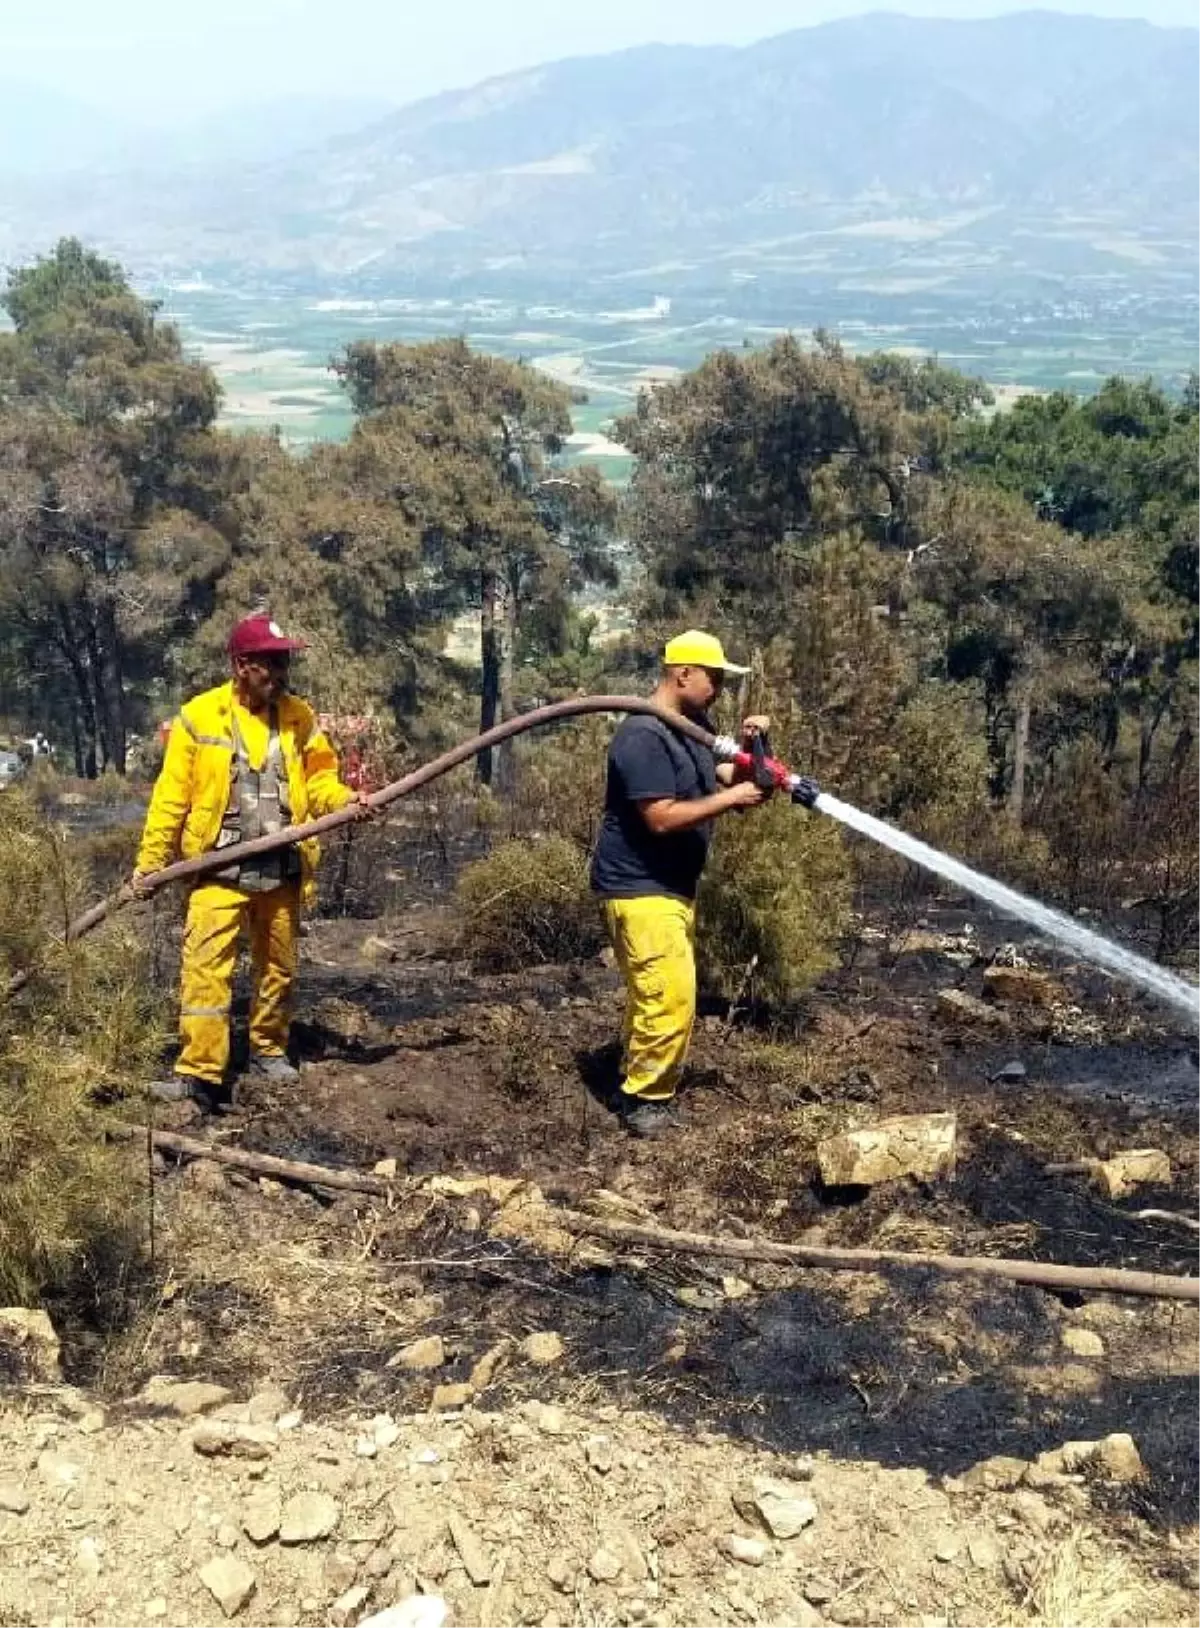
(528,903)
(85,1028)
(777,891)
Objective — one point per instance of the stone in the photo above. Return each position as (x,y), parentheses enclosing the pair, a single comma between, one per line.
(983,1550)
(948,1548)
(92,1422)
(347,1606)
(735,1288)
(746,1551)
(1119,1459)
(490,1364)
(1011,1074)
(223,1438)
(599,1452)
(14,1500)
(268,1406)
(1023,986)
(542,1349)
(205,1175)
(561,1573)
(385,1430)
(1121,1173)
(386,1168)
(417,1611)
(375,948)
(88,1557)
(1083,1342)
(420,1355)
(226,1535)
(956,1006)
(998,1474)
(230,1582)
(185,1398)
(308,1517)
(471,1552)
(29,1348)
(604,1566)
(447,1397)
(906,1145)
(1033,1510)
(550,1420)
(779,1509)
(58,1471)
(155,1608)
(365,1447)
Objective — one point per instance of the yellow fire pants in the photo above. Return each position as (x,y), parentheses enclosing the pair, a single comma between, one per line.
(654,942)
(216,916)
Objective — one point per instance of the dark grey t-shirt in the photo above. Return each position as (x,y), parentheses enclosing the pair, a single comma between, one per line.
(647,760)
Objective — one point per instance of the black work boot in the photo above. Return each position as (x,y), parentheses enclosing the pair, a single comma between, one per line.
(275,1069)
(650,1119)
(177,1088)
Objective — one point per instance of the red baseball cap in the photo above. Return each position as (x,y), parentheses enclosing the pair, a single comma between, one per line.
(260,636)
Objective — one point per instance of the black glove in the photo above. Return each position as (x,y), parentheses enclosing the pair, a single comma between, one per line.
(805,792)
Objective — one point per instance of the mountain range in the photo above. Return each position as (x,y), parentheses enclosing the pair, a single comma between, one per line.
(664,153)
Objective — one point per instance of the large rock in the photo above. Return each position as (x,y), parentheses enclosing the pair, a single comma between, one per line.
(230,1582)
(1024,986)
(420,1355)
(224,1438)
(542,1349)
(908,1145)
(29,1350)
(997,1474)
(308,1517)
(956,1006)
(185,1398)
(776,1505)
(1119,1174)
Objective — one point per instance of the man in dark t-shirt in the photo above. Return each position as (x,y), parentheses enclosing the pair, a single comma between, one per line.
(662,796)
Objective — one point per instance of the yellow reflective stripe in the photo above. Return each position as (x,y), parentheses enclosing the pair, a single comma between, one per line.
(203,740)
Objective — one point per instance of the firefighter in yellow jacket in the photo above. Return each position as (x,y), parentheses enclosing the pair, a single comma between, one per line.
(242,760)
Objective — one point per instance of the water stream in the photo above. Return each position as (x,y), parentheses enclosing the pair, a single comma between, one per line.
(1176,992)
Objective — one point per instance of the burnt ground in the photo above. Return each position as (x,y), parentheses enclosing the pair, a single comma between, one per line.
(410,1055)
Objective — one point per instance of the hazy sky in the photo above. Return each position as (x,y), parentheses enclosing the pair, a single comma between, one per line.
(162,59)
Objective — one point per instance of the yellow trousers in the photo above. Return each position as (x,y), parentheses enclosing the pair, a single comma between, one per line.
(216,917)
(654,942)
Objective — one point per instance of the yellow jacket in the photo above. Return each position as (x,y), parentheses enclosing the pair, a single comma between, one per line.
(192,791)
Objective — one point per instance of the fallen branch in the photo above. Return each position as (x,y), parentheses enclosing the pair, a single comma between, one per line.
(1174,1216)
(266,1164)
(1098,1279)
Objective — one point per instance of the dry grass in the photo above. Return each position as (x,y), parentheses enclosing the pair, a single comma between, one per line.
(528,903)
(83,1031)
(1078,1586)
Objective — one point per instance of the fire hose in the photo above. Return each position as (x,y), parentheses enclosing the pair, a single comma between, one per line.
(767,771)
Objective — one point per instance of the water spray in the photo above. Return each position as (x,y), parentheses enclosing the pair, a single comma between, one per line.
(767,771)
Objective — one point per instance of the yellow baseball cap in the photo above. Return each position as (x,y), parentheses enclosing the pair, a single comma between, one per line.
(696,649)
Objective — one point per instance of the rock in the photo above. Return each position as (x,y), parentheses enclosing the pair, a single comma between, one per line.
(1083,1342)
(734,1288)
(1024,986)
(419,1355)
(820,1590)
(983,1550)
(14,1500)
(1011,1074)
(88,1557)
(1033,1510)
(385,1430)
(268,1406)
(185,1398)
(542,1349)
(261,1515)
(447,1397)
(230,1582)
(365,1447)
(604,1566)
(747,1551)
(599,1452)
(290,1421)
(386,1168)
(155,1608)
(550,1420)
(956,1006)
(907,1145)
(948,1548)
(348,1605)
(308,1517)
(1119,1458)
(205,1175)
(775,1505)
(1122,1172)
(417,1611)
(29,1348)
(998,1474)
(561,1573)
(58,1471)
(489,1365)
(471,1552)
(803,1615)
(375,948)
(92,1422)
(222,1438)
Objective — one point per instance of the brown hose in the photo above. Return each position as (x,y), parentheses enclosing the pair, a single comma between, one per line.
(186,870)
